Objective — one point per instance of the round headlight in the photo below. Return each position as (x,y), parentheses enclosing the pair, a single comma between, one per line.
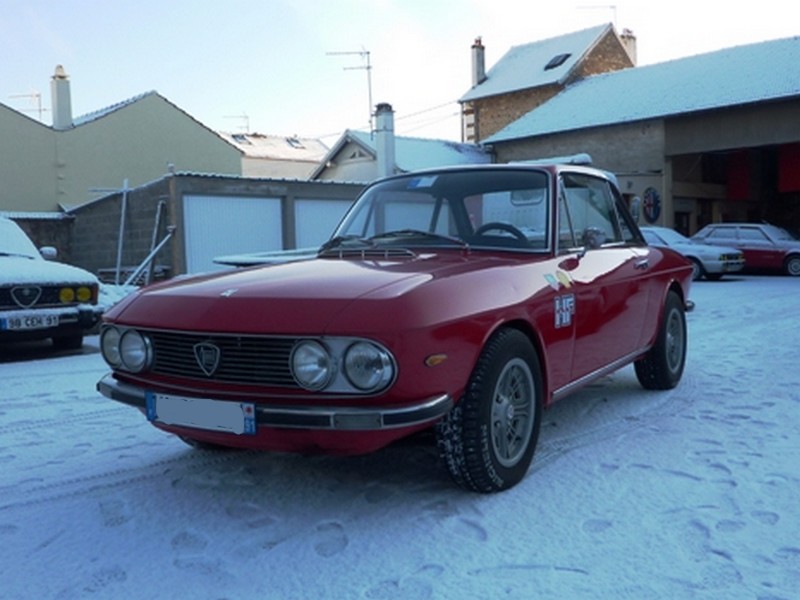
(312,365)
(135,351)
(109,346)
(367,366)
(84,294)
(66,295)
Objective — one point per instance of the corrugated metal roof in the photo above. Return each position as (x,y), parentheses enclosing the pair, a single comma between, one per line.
(730,77)
(523,67)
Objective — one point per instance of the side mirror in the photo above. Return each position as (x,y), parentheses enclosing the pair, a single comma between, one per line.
(48,252)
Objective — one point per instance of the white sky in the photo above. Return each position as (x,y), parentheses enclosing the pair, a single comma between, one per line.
(270,59)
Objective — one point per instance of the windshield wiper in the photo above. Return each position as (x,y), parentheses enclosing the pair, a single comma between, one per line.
(418,233)
(17,254)
(345,241)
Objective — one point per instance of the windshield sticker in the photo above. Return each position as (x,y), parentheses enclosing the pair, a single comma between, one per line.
(422,182)
(564,309)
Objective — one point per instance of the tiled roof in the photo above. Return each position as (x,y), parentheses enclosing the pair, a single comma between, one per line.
(523,67)
(734,76)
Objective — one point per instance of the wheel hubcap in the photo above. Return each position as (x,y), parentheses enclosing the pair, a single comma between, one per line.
(675,337)
(512,412)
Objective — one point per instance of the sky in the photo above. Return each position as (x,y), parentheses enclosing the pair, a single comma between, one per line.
(632,494)
(299,67)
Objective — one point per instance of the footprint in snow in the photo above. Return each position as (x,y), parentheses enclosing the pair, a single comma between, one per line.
(331,539)
(114,513)
(189,542)
(595,525)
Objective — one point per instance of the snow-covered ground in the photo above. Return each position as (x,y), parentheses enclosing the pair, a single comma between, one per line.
(691,493)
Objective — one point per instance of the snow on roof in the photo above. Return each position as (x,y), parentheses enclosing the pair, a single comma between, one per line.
(258,145)
(34,215)
(412,154)
(523,67)
(729,77)
(93,116)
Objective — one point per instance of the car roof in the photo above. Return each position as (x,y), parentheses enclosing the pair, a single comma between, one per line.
(553,168)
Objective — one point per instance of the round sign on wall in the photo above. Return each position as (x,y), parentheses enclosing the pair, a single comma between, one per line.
(651,205)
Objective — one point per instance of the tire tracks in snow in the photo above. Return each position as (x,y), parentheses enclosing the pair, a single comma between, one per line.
(603,397)
(116,478)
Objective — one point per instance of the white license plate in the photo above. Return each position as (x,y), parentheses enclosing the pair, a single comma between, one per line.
(22,322)
(202,413)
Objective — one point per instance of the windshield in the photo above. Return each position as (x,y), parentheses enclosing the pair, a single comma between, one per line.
(14,242)
(504,208)
(670,236)
(779,233)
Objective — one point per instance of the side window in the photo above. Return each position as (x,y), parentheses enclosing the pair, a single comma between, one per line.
(752,234)
(722,233)
(588,213)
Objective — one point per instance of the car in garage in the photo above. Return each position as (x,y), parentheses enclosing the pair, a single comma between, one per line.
(460,301)
(766,247)
(41,299)
(708,261)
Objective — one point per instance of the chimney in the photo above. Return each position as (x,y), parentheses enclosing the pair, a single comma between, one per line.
(629,43)
(60,96)
(478,62)
(384,139)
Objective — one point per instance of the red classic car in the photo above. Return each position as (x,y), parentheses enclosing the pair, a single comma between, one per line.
(464,300)
(765,247)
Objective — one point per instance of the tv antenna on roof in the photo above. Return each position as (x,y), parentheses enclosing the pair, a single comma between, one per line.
(611,7)
(364,54)
(244,118)
(35,98)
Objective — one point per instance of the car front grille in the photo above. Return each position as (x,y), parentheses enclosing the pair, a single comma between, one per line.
(246,360)
(29,296)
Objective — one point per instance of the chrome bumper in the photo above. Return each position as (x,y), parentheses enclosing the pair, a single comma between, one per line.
(345,418)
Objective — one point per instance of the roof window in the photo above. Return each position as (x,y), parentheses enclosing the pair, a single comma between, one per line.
(295,143)
(557,61)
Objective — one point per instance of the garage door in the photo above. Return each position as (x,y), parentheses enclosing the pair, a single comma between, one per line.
(219,225)
(316,219)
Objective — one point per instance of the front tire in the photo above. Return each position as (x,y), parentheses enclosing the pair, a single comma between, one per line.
(662,367)
(792,265)
(697,269)
(488,439)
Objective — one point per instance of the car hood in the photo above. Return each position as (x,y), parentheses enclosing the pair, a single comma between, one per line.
(24,270)
(320,295)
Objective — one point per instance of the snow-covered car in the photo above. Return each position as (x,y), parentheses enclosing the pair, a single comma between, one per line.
(708,261)
(765,247)
(41,298)
(463,300)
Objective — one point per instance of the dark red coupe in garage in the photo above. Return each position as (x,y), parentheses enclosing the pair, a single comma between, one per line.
(465,300)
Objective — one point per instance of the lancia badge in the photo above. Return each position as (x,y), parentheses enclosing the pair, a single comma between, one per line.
(207,356)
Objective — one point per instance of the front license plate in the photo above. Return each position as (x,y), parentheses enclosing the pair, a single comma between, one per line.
(202,413)
(25,322)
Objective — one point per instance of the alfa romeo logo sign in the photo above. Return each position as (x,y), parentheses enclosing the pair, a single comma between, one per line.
(651,205)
